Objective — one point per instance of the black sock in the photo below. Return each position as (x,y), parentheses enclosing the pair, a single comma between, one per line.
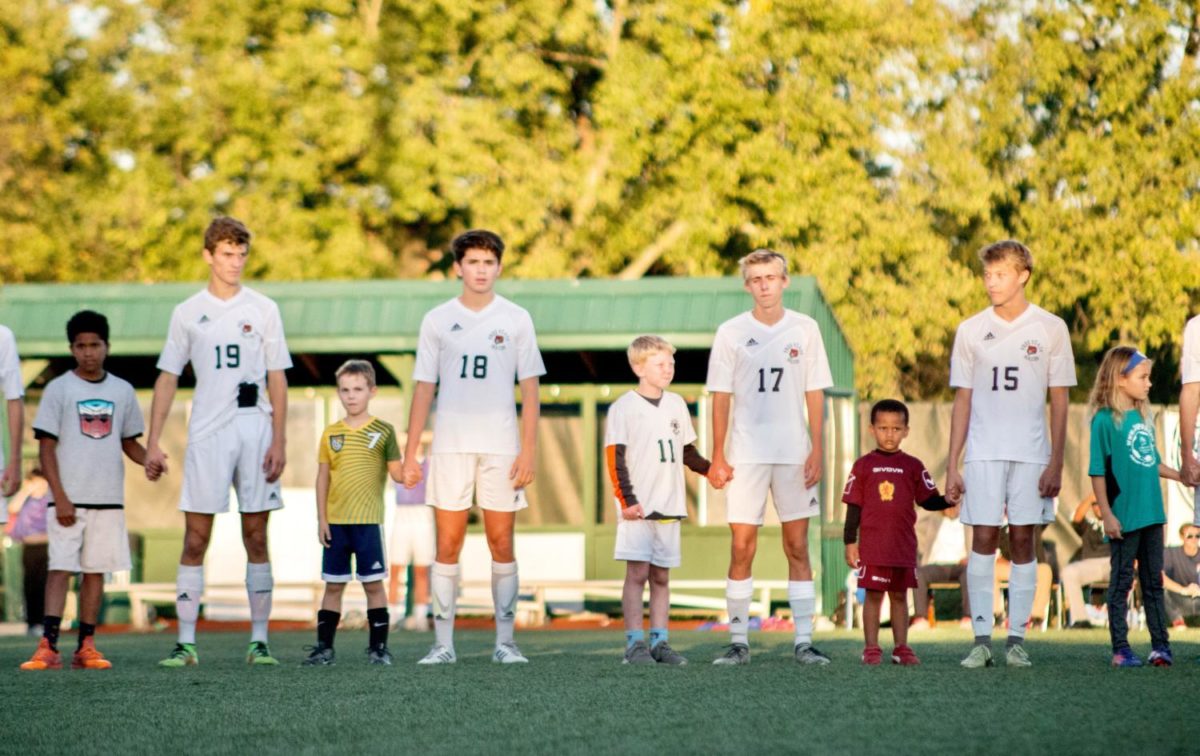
(327,623)
(983,640)
(1013,640)
(377,620)
(85,631)
(50,630)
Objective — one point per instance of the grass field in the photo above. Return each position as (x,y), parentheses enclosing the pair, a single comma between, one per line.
(576,697)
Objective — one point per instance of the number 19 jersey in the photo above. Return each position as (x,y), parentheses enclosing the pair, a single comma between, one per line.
(229,342)
(768,369)
(1009,366)
(474,357)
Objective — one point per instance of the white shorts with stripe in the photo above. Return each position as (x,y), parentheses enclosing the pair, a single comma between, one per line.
(232,456)
(746,494)
(456,481)
(997,489)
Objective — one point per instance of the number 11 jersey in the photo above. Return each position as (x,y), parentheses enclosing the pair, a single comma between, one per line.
(1009,366)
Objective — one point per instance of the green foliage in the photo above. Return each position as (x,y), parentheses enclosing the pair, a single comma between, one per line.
(878,143)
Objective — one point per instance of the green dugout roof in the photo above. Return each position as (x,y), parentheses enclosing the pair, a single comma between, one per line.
(382,317)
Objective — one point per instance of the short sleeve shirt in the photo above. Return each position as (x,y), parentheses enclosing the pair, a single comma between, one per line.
(654,438)
(475,358)
(90,421)
(358,461)
(11,385)
(768,370)
(1190,362)
(1009,366)
(1127,458)
(886,487)
(228,342)
(1180,567)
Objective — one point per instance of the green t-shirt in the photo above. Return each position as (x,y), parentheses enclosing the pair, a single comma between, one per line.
(1128,459)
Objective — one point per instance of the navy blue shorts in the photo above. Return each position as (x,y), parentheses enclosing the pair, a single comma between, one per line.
(364,543)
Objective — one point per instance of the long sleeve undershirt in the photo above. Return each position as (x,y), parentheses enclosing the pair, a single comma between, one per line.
(692,460)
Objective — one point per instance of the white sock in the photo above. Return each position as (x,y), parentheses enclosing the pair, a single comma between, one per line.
(259,587)
(981,574)
(189,587)
(504,598)
(737,599)
(443,584)
(421,610)
(802,598)
(396,611)
(1022,585)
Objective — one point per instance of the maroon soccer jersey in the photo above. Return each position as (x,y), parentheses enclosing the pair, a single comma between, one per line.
(887,486)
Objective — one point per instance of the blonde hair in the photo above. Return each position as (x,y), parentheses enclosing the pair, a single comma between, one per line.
(644,346)
(1107,394)
(356,367)
(1008,250)
(762,257)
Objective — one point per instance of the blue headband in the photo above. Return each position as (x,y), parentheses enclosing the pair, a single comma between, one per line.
(1137,359)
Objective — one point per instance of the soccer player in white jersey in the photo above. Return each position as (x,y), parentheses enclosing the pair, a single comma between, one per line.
(13,389)
(770,365)
(1005,359)
(1189,403)
(233,337)
(471,350)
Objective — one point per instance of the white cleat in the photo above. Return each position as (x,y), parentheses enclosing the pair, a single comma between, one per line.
(508,653)
(439,655)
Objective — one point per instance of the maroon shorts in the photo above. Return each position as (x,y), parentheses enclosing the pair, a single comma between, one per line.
(877,578)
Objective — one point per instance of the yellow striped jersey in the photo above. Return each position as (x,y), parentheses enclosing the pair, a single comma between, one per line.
(358,460)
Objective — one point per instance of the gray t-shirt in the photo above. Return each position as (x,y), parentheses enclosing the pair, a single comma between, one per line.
(90,420)
(1180,567)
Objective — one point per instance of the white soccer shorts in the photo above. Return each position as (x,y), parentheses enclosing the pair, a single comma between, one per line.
(996,489)
(458,480)
(413,538)
(96,543)
(746,494)
(652,541)
(232,456)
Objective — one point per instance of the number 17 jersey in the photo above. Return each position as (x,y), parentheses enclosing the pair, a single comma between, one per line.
(1009,366)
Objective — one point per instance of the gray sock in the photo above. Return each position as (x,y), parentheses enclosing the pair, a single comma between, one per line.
(1013,640)
(983,640)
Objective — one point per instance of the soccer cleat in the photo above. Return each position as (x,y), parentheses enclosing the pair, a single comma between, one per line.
(43,658)
(319,655)
(735,653)
(379,656)
(980,656)
(508,653)
(183,655)
(905,656)
(806,653)
(872,656)
(638,653)
(439,655)
(1161,657)
(664,654)
(258,655)
(87,657)
(1016,656)
(1125,658)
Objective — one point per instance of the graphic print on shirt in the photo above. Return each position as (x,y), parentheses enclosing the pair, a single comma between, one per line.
(95,417)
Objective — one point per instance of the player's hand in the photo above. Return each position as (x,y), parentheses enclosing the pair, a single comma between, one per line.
(1112,526)
(411,471)
(813,468)
(719,472)
(1050,483)
(156,463)
(852,555)
(522,470)
(10,480)
(1189,471)
(274,462)
(954,487)
(64,512)
(633,513)
(324,534)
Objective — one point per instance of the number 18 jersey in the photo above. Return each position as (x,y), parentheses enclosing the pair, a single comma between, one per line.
(474,357)
(1009,366)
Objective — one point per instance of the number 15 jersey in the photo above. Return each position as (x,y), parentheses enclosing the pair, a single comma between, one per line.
(768,369)
(474,357)
(1009,366)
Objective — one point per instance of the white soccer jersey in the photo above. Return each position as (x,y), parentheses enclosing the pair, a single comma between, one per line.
(228,342)
(768,369)
(1190,363)
(474,358)
(10,366)
(654,438)
(1009,367)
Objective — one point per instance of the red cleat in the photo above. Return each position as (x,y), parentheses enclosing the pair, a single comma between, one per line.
(44,658)
(904,656)
(872,656)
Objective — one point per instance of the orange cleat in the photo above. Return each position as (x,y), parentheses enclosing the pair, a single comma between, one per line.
(87,657)
(44,658)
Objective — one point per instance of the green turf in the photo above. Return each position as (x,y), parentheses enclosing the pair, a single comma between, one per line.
(575,696)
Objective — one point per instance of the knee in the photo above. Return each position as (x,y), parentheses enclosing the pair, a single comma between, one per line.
(637,572)
(256,545)
(195,544)
(335,590)
(660,577)
(742,549)
(448,549)
(501,548)
(796,550)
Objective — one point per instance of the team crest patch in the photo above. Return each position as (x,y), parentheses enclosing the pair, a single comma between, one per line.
(1032,350)
(887,490)
(498,339)
(246,328)
(675,427)
(793,352)
(95,417)
(337,442)
(1142,450)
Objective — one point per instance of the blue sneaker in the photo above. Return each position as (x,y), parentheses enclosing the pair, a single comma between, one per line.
(1125,658)
(1161,657)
